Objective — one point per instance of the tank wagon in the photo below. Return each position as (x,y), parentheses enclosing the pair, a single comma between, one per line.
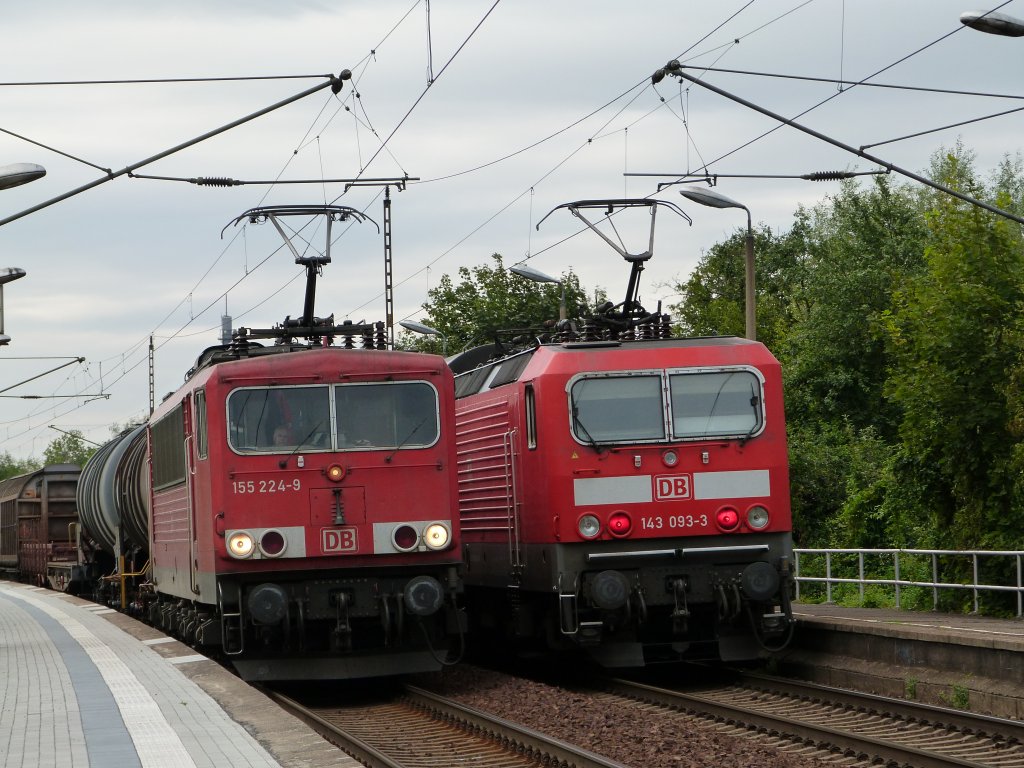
(624,493)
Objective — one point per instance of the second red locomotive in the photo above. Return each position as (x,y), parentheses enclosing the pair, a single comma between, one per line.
(626,493)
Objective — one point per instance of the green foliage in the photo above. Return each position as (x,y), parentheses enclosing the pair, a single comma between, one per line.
(12,467)
(958,697)
(489,299)
(953,361)
(910,688)
(898,315)
(862,245)
(713,296)
(69,448)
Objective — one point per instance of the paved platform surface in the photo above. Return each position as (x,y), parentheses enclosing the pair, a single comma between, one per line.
(83,685)
(959,629)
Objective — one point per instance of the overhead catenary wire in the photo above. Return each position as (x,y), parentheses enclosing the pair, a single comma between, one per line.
(439,178)
(331,82)
(249,272)
(860,82)
(853,150)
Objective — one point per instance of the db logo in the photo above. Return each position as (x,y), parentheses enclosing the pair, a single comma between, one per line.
(668,487)
(338,540)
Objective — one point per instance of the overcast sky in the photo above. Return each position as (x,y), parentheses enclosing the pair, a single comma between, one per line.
(533,104)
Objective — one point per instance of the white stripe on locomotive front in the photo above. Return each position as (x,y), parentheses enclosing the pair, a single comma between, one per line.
(638,489)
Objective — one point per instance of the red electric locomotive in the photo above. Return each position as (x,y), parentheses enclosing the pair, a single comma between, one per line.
(302,498)
(625,493)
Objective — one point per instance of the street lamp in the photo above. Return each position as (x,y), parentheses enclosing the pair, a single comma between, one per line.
(713,199)
(12,176)
(539,277)
(7,275)
(994,23)
(412,325)
(20,173)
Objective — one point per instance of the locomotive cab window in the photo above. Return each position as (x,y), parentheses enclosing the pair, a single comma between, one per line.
(393,415)
(614,409)
(716,404)
(279,419)
(200,417)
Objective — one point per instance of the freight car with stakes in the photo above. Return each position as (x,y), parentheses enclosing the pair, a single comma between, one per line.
(624,493)
(39,526)
(296,499)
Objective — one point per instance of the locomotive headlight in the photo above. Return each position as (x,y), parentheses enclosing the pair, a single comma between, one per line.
(670,458)
(240,544)
(757,517)
(589,526)
(335,473)
(436,536)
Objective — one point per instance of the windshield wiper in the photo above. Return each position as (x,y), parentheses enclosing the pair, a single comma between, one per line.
(407,438)
(302,443)
(753,404)
(577,422)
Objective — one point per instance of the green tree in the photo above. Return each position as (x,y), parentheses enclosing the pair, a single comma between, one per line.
(713,297)
(489,299)
(69,448)
(12,467)
(863,245)
(957,355)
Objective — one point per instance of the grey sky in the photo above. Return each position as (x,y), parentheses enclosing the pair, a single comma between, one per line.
(133,257)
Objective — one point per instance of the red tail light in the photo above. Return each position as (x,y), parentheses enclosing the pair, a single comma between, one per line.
(405,537)
(272,543)
(728,519)
(619,524)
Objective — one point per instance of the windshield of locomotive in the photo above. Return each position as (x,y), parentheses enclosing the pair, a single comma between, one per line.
(715,404)
(394,415)
(279,419)
(655,407)
(616,409)
(340,417)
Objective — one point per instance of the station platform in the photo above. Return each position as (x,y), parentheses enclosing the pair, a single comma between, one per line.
(84,685)
(959,660)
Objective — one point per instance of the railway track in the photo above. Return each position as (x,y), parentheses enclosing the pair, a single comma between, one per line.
(419,729)
(847,727)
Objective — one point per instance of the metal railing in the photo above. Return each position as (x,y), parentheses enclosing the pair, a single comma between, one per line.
(897,581)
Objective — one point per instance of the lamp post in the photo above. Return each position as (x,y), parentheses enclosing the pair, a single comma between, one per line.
(713,199)
(993,23)
(7,275)
(412,325)
(14,175)
(539,277)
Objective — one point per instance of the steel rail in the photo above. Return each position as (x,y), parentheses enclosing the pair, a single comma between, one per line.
(512,744)
(864,747)
(552,751)
(352,745)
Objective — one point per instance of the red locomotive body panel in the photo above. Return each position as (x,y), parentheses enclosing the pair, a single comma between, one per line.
(288,490)
(663,462)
